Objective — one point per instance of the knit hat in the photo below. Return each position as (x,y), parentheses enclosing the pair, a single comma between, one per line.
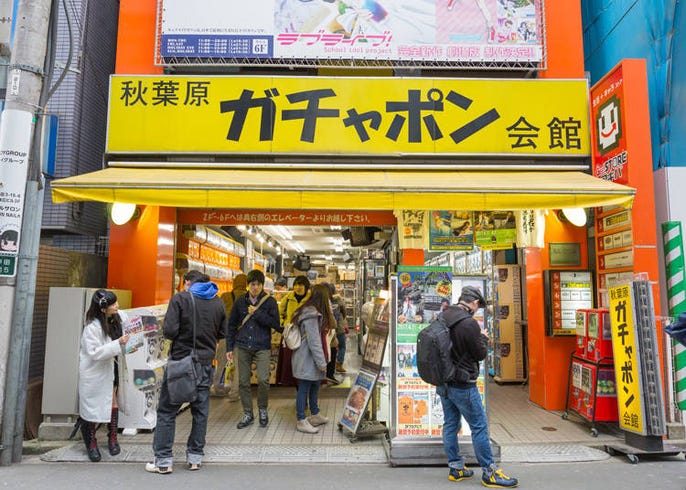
(470,293)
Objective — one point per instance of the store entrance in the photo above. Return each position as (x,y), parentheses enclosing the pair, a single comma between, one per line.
(358,260)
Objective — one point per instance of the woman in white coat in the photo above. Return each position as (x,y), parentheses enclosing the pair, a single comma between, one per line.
(101,342)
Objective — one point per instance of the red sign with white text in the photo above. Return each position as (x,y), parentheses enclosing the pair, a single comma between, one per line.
(286,217)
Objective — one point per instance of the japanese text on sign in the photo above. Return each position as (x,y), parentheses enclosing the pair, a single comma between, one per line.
(626,360)
(283,115)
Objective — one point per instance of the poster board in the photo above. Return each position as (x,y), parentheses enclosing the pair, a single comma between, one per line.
(362,388)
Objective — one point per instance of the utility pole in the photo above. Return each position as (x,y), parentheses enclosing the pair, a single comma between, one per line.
(21,206)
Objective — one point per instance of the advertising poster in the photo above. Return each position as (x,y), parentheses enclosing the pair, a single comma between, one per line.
(495,230)
(15,144)
(290,31)
(422,293)
(412,228)
(358,397)
(451,230)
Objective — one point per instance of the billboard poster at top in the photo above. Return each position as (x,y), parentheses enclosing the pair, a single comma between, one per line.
(385,31)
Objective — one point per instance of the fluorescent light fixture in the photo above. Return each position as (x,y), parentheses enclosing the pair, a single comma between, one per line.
(576,216)
(279,230)
(122,213)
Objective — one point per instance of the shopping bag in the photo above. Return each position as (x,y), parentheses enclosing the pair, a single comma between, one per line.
(182,380)
(229,371)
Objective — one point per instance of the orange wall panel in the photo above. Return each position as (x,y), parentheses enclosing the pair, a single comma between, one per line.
(564,40)
(142,256)
(136,38)
(549,356)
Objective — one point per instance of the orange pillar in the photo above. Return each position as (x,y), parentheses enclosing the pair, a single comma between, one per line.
(142,256)
(136,38)
(549,356)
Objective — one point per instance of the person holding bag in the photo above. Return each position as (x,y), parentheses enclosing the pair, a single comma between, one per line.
(194,322)
(315,319)
(252,319)
(101,344)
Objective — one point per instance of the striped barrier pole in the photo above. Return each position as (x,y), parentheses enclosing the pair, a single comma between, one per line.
(676,296)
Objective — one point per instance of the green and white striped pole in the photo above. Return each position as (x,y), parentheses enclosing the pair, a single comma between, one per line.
(676,296)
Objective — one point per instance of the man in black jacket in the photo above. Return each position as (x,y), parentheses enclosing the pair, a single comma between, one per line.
(197,309)
(252,318)
(461,397)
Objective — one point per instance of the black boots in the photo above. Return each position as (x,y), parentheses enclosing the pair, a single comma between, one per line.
(112,443)
(88,433)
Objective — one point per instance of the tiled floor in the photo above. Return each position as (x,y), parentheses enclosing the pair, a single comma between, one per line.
(520,427)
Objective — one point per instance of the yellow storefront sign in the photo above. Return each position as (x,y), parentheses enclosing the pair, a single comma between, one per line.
(624,348)
(351,116)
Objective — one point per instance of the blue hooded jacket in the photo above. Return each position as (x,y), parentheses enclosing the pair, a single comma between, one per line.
(204,290)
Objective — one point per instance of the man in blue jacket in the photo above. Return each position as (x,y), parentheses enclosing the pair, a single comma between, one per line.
(200,309)
(252,318)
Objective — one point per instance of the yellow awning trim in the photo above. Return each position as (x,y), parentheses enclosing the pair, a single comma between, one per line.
(342,189)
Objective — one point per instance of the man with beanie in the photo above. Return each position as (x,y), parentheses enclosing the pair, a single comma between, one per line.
(251,321)
(461,397)
(195,320)
(239,288)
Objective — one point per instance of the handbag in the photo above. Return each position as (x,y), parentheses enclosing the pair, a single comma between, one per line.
(182,378)
(291,336)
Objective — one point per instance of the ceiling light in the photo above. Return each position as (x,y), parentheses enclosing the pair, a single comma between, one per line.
(575,216)
(122,213)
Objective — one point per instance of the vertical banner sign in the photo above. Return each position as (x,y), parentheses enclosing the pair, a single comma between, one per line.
(15,144)
(610,158)
(625,350)
(676,296)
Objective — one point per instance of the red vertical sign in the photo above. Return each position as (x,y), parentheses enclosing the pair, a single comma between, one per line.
(610,155)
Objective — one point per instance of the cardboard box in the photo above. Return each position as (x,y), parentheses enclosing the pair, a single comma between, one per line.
(509,285)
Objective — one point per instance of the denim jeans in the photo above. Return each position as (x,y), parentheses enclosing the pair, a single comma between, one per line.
(341,347)
(261,358)
(464,402)
(307,389)
(163,439)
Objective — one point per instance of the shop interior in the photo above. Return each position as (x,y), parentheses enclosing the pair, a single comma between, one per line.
(359,261)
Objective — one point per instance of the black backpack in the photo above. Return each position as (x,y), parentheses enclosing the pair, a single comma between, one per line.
(435,362)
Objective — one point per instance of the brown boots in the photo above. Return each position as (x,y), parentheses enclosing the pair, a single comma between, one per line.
(88,433)
(112,443)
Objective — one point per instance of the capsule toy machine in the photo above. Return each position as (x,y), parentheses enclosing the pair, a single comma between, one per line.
(599,336)
(581,332)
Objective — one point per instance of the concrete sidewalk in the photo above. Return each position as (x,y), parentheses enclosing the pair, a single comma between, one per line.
(663,473)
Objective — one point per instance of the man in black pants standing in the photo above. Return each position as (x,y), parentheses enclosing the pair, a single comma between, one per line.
(200,309)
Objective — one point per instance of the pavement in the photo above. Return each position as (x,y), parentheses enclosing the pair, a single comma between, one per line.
(664,473)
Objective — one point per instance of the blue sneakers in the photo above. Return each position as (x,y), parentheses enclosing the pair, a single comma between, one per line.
(461,474)
(494,477)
